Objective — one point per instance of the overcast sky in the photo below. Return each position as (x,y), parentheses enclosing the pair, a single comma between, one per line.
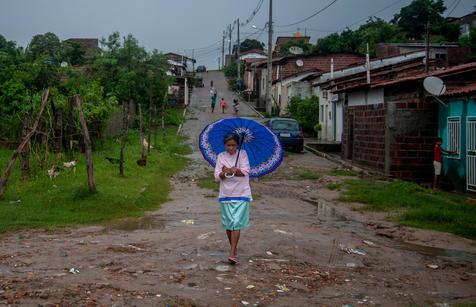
(182,25)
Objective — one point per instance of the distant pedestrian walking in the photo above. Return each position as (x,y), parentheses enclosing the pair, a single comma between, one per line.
(213,98)
(223,105)
(236,106)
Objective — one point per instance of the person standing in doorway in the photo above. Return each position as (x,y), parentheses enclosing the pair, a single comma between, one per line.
(438,160)
(223,105)
(232,172)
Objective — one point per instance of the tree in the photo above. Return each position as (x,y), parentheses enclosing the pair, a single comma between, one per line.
(249,44)
(306,47)
(470,41)
(72,53)
(46,45)
(305,111)
(414,18)
(377,30)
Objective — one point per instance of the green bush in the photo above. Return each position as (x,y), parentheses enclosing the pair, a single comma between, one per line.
(305,111)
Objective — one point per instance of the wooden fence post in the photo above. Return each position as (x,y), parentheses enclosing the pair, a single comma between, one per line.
(26,139)
(87,144)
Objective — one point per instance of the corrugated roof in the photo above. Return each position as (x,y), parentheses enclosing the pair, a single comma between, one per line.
(437,73)
(460,90)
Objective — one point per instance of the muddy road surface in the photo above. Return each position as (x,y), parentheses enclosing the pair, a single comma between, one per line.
(303,248)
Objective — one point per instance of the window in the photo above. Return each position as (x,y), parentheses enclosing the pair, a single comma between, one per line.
(454,136)
(324,94)
(322,113)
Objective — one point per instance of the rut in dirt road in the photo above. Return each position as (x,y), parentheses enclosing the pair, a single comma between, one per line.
(303,248)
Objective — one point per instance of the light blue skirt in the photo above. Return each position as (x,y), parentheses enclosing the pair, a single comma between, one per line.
(235,214)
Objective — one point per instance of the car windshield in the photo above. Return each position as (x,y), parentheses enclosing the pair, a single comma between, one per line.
(285,125)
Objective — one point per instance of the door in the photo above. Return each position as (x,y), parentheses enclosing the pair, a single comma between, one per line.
(471,154)
(350,139)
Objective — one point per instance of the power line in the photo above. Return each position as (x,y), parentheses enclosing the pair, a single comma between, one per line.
(253,14)
(307,18)
(454,7)
(373,14)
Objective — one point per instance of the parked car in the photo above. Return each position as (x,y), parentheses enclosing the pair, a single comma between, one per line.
(201,68)
(288,131)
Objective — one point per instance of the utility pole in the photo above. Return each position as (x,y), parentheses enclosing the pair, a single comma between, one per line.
(427,46)
(223,50)
(270,56)
(193,61)
(238,49)
(229,39)
(219,63)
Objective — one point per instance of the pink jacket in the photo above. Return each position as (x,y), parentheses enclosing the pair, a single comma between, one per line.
(237,187)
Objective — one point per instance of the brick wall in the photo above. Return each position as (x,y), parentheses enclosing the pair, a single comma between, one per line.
(367,125)
(416,128)
(316,62)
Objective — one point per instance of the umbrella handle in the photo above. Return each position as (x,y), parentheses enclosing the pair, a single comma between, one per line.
(229,175)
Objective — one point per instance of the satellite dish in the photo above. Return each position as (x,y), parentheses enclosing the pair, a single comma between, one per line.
(295,50)
(299,63)
(64,64)
(435,86)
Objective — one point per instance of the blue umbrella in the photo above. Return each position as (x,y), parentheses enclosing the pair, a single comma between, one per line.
(264,150)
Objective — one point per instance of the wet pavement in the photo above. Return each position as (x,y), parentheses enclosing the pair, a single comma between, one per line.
(303,248)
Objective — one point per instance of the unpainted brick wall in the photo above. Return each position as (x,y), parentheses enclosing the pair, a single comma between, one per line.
(368,127)
(416,119)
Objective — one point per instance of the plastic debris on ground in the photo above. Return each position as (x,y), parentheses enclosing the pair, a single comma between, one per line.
(282,288)
(250,287)
(350,250)
(369,243)
(188,222)
(74,271)
(205,235)
(432,266)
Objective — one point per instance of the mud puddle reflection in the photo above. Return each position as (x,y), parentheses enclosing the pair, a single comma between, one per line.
(131,224)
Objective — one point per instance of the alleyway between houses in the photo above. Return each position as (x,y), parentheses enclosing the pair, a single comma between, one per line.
(303,248)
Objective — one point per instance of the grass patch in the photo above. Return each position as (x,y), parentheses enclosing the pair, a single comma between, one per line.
(420,207)
(334,186)
(64,200)
(208,183)
(309,175)
(342,172)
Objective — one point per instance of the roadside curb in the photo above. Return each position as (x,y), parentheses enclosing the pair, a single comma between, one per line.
(252,108)
(336,160)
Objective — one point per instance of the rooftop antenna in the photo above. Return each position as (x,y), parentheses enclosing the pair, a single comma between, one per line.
(435,87)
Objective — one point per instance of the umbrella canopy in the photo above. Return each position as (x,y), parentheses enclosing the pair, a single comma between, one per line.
(264,150)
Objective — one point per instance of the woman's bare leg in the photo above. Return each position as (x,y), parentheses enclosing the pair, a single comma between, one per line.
(228,234)
(235,237)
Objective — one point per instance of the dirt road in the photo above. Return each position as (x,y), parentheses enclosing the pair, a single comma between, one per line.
(303,248)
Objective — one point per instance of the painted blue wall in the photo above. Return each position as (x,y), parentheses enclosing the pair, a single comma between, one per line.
(454,168)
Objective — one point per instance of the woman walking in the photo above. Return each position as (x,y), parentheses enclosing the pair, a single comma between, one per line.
(232,172)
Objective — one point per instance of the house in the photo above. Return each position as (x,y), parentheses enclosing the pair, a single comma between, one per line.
(181,62)
(253,54)
(295,66)
(446,54)
(331,105)
(390,126)
(283,40)
(457,128)
(465,22)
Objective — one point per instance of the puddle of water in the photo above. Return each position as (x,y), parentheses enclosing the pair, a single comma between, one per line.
(131,224)
(435,251)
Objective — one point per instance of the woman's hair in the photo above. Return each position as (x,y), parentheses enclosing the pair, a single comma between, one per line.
(231,136)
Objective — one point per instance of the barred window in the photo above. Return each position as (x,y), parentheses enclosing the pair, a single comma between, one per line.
(454,136)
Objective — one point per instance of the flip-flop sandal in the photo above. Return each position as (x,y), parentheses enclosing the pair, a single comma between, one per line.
(232,260)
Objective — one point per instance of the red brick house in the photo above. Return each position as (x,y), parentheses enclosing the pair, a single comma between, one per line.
(391,124)
(291,66)
(283,40)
